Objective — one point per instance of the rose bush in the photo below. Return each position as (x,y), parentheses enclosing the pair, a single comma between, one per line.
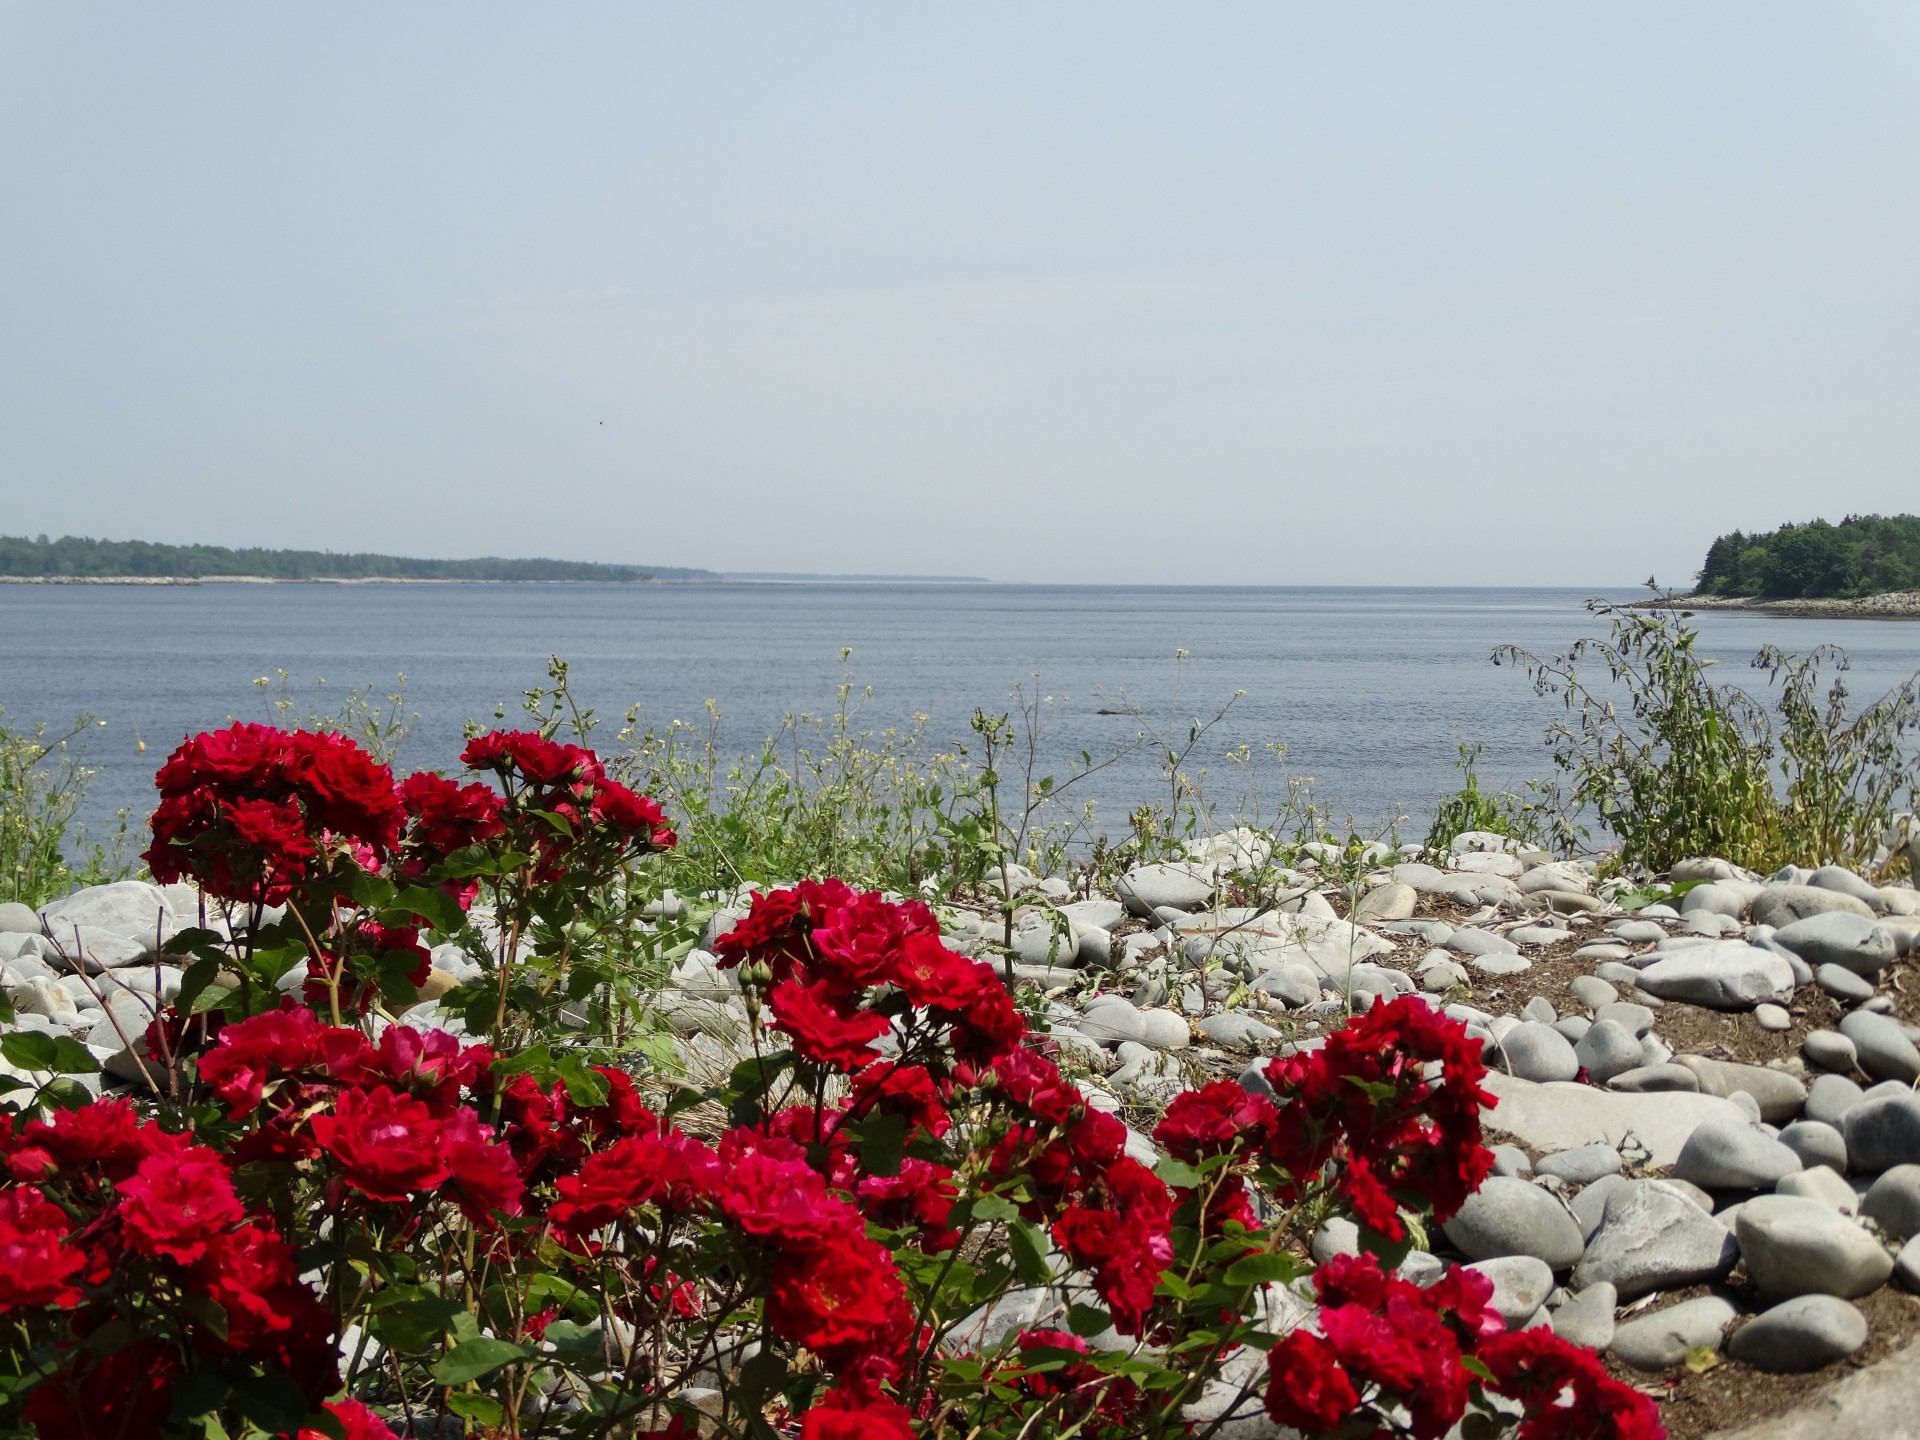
(896,1218)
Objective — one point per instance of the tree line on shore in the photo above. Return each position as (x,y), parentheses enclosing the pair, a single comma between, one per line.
(1862,555)
(75,557)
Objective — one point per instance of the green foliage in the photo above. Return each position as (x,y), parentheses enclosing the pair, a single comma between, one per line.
(1862,555)
(1689,767)
(44,850)
(72,556)
(1471,808)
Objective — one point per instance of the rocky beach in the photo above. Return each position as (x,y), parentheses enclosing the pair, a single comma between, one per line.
(1707,1137)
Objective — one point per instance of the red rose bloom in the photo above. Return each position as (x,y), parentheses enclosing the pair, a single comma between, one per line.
(36,1263)
(847,1417)
(175,1203)
(1306,1388)
(390,1147)
(846,1294)
(824,1029)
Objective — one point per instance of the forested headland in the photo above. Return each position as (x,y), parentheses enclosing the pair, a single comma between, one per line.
(1862,555)
(73,557)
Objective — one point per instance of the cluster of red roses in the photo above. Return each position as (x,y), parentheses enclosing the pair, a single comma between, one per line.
(1387,1349)
(244,810)
(253,813)
(568,789)
(1361,1109)
(105,1218)
(845,969)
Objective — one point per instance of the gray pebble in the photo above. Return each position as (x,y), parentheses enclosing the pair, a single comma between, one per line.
(1893,1202)
(1885,1051)
(1816,1143)
(1661,1340)
(1725,1155)
(1591,991)
(1582,1165)
(1843,984)
(1804,1333)
(1829,1097)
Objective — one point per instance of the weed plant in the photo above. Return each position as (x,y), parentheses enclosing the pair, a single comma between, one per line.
(1672,764)
(44,849)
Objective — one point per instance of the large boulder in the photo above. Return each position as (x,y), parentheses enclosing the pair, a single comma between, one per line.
(1794,1246)
(1720,974)
(1655,1238)
(1781,905)
(1853,942)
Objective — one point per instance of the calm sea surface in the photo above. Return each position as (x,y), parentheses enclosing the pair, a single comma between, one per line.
(1371,690)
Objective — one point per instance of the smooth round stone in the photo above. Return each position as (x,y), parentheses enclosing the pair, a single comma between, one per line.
(1883,1047)
(1113,1022)
(1512,1217)
(1882,1133)
(1392,901)
(1606,1050)
(1824,1184)
(1654,1237)
(1853,942)
(1237,1031)
(1148,889)
(1337,1235)
(1574,1027)
(1772,1017)
(1538,1052)
(1590,1205)
(1829,1050)
(1816,1143)
(1805,1333)
(1906,1266)
(1649,1079)
(1582,1165)
(1778,1094)
(1661,1340)
(1725,1155)
(1521,1285)
(1500,964)
(1793,1246)
(1615,973)
(1829,1097)
(1164,1030)
(1843,985)
(1637,932)
(1539,1009)
(1893,1202)
(1784,905)
(1510,1160)
(1591,991)
(1604,950)
(1587,1318)
(1633,1017)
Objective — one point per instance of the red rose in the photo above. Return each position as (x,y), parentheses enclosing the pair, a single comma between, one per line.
(174,1203)
(251,1053)
(843,1295)
(481,1175)
(847,1417)
(824,1028)
(1306,1388)
(390,1147)
(36,1263)
(449,816)
(110,1397)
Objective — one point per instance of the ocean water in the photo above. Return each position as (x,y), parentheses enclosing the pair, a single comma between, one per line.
(1371,690)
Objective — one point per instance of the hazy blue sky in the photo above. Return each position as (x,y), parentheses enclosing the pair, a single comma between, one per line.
(1350,293)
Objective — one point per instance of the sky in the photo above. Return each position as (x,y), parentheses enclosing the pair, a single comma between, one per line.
(1474,294)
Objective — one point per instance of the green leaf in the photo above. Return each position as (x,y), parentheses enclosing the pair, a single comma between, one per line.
(1087,1321)
(472,1405)
(1029,1249)
(197,977)
(585,1085)
(1178,1174)
(29,1049)
(1267,1268)
(274,1403)
(471,1359)
(432,904)
(883,1140)
(573,1340)
(994,1207)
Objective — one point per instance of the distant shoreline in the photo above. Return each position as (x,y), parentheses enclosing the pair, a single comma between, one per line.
(1895,605)
(744,579)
